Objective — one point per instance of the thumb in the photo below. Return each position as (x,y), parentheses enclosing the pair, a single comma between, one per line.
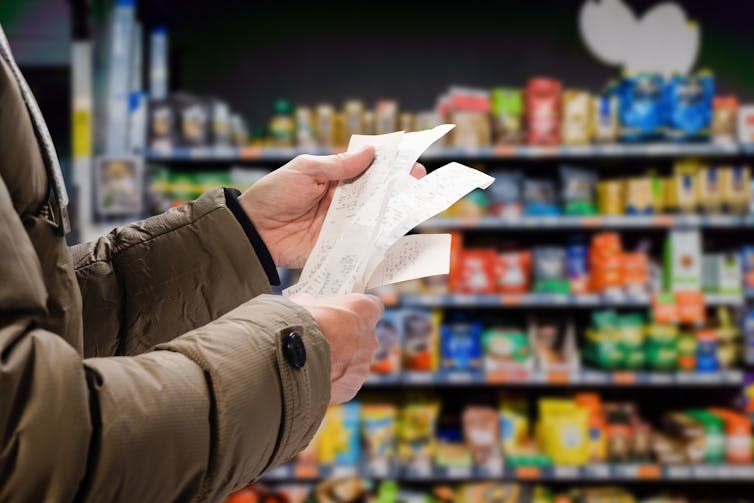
(347,164)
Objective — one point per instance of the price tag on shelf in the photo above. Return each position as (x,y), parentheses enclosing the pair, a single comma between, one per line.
(595,377)
(624,378)
(511,299)
(305,471)
(659,378)
(344,471)
(679,472)
(461,377)
(566,472)
(648,472)
(458,472)
(419,377)
(250,153)
(597,471)
(558,377)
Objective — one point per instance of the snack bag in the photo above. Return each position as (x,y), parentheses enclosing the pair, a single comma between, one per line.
(640,107)
(578,187)
(542,98)
(710,189)
(724,110)
(688,104)
(550,270)
(540,198)
(461,346)
(513,272)
(387,360)
(506,350)
(514,425)
(736,188)
(506,194)
(420,340)
(575,128)
(610,197)
(507,109)
(416,434)
(746,124)
(477,271)
(563,431)
(338,441)
(378,431)
(578,269)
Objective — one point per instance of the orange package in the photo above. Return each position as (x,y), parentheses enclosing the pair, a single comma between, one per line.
(737,435)
(477,271)
(513,272)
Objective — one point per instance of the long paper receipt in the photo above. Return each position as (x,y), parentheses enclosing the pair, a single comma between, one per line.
(363,244)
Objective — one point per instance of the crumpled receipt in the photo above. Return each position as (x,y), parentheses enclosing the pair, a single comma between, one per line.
(362,244)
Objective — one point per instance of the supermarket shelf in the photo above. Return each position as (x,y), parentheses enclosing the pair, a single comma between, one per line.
(594,472)
(596,222)
(232,154)
(558,378)
(547,300)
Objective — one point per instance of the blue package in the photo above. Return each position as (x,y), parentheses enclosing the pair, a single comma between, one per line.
(461,346)
(348,418)
(747,328)
(687,101)
(640,107)
(576,260)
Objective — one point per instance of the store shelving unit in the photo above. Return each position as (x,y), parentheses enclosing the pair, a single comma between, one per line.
(725,381)
(607,472)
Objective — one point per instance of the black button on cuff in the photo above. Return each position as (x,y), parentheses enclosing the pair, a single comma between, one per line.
(294,350)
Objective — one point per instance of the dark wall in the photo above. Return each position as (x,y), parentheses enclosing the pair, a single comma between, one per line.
(252,53)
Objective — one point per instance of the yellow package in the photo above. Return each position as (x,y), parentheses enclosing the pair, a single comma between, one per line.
(683,187)
(563,431)
(575,128)
(736,188)
(610,197)
(416,433)
(710,189)
(514,426)
(639,199)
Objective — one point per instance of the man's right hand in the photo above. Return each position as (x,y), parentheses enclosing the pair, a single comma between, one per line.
(348,323)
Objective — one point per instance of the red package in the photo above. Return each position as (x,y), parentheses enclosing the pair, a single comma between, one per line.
(477,271)
(514,272)
(542,98)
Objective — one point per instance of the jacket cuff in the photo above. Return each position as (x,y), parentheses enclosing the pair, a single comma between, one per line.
(231,200)
(265,410)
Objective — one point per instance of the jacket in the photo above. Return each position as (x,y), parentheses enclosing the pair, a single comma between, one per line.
(147,365)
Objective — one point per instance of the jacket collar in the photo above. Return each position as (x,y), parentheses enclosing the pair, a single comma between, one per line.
(58,203)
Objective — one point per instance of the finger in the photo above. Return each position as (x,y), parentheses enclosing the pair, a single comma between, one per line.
(418,170)
(345,165)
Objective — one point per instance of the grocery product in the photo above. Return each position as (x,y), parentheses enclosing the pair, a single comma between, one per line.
(563,431)
(706,350)
(714,435)
(640,107)
(575,126)
(353,111)
(683,260)
(688,105)
(710,189)
(477,271)
(554,344)
(683,188)
(577,257)
(461,346)
(378,431)
(282,125)
(513,272)
(481,431)
(597,440)
(610,197)
(639,196)
(746,123)
(491,492)
(389,332)
(507,111)
(542,108)
(407,122)
(578,190)
(324,126)
(386,116)
(605,118)
(724,111)
(736,183)
(550,270)
(738,435)
(506,350)
(539,198)
(416,434)
(721,273)
(338,440)
(506,194)
(305,127)
(420,335)
(514,425)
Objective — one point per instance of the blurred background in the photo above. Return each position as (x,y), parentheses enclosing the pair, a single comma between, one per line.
(594,338)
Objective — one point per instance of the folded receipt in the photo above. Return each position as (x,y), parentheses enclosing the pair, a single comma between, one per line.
(362,244)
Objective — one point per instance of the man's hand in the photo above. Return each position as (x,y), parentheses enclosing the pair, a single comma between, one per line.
(288,206)
(348,323)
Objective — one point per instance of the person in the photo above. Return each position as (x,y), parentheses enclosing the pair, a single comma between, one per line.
(153,364)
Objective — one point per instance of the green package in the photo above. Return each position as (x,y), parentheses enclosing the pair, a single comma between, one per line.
(714,435)
(662,357)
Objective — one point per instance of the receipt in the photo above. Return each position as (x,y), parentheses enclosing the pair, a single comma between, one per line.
(413,257)
(361,244)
